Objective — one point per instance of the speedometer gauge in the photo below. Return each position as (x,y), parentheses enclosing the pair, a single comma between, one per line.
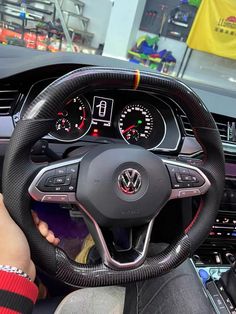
(142,124)
(74,121)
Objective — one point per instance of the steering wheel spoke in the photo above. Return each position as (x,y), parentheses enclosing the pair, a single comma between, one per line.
(186,180)
(56,183)
(120,248)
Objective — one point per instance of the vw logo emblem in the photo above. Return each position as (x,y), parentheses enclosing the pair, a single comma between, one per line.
(130,181)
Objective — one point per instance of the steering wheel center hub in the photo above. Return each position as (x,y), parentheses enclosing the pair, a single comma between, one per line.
(122,185)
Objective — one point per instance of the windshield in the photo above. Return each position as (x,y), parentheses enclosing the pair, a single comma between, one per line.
(190,39)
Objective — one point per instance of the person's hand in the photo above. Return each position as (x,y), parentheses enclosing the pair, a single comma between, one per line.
(14,247)
(44,230)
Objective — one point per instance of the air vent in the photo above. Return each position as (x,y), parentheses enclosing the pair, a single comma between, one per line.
(225,127)
(187,126)
(8,98)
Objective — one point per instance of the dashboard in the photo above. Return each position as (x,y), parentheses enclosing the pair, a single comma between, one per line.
(147,119)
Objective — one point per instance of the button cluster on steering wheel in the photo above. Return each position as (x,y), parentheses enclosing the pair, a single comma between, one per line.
(182,177)
(62,179)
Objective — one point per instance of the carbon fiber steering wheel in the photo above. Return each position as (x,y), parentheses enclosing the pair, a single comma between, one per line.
(113,185)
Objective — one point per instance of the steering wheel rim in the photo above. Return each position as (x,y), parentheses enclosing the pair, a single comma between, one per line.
(19,173)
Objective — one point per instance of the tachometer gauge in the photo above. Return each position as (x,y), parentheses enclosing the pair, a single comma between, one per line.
(74,121)
(142,124)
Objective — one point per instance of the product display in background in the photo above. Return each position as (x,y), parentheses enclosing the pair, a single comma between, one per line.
(37,25)
(169,18)
(214,28)
(146,52)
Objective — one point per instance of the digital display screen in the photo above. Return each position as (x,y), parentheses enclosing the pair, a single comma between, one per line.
(102,110)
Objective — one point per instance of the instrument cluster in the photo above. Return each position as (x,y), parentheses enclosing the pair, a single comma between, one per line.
(136,118)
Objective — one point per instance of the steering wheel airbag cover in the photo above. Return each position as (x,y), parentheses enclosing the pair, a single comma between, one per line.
(99,175)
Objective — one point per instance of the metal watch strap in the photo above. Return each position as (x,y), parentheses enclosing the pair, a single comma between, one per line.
(15,270)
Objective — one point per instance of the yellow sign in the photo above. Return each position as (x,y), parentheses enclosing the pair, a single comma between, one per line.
(214,28)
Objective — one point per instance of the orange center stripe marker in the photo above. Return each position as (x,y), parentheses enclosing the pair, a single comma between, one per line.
(136,79)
